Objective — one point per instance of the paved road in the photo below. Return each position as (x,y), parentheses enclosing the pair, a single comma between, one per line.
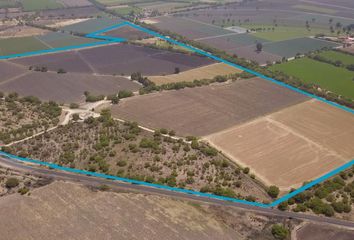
(116,185)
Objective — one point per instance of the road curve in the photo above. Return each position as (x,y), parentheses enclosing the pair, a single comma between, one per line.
(116,185)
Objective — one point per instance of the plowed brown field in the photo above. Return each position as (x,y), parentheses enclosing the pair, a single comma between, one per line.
(294,145)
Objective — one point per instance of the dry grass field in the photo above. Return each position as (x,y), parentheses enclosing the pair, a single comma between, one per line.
(205,72)
(294,145)
(205,110)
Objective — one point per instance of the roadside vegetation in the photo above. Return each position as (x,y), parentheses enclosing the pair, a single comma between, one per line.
(334,197)
(123,149)
(12,182)
(22,117)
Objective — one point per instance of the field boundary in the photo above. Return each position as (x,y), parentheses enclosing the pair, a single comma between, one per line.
(109,40)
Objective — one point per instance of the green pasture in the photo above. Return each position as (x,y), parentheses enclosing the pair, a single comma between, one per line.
(35,5)
(346,59)
(335,79)
(20,45)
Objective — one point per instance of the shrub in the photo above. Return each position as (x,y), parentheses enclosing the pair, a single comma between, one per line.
(283,206)
(74,105)
(122,163)
(279,231)
(125,94)
(12,182)
(246,170)
(273,191)
(23,190)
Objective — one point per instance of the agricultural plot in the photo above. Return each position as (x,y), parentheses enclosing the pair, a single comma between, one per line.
(10,46)
(251,53)
(127,59)
(232,41)
(205,72)
(281,33)
(290,48)
(205,110)
(128,33)
(69,13)
(57,40)
(74,3)
(69,61)
(335,79)
(10,70)
(189,28)
(66,88)
(91,25)
(35,5)
(294,145)
(117,59)
(346,59)
(162,6)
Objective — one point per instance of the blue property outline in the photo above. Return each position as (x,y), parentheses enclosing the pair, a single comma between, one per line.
(109,40)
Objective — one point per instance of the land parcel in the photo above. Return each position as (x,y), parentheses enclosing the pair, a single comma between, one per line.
(205,110)
(205,72)
(294,145)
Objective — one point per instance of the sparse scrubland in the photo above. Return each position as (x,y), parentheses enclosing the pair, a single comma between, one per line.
(123,149)
(24,117)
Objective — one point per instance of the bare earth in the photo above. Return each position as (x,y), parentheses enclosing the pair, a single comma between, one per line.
(205,110)
(322,232)
(205,72)
(294,145)
(69,211)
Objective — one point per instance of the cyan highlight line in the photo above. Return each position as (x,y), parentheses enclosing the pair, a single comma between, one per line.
(109,40)
(54,50)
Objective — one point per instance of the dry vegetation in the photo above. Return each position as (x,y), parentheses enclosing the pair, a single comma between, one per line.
(23,117)
(205,72)
(108,146)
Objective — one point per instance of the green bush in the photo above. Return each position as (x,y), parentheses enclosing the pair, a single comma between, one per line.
(12,182)
(273,191)
(279,231)
(125,94)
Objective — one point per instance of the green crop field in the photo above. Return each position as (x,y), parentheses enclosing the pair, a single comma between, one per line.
(56,40)
(281,33)
(35,5)
(127,10)
(7,3)
(289,48)
(335,79)
(346,59)
(20,45)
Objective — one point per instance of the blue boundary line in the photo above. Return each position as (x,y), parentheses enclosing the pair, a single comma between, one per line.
(127,180)
(110,39)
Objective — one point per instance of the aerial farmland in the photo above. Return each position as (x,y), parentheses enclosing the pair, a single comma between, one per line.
(245,104)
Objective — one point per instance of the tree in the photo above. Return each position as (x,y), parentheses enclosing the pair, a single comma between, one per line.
(246,170)
(279,231)
(259,47)
(273,191)
(76,117)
